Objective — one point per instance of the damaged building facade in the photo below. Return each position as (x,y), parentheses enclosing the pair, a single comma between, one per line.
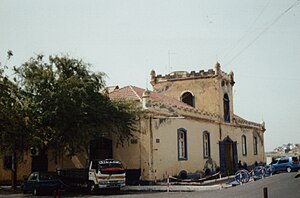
(187,123)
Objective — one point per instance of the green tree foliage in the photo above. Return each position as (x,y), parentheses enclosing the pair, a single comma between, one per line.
(64,106)
(13,133)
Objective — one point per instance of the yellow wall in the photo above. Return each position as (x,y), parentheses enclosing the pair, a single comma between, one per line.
(205,91)
(25,160)
(23,168)
(235,133)
(208,92)
(166,152)
(158,160)
(128,153)
(63,161)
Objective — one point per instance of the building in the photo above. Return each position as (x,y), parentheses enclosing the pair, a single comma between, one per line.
(187,122)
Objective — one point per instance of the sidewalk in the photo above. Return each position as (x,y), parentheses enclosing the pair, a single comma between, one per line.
(173,188)
(209,185)
(9,190)
(215,184)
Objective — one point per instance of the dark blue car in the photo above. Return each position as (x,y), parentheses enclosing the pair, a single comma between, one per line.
(287,164)
(42,183)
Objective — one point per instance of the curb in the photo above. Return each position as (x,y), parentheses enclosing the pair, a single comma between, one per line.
(174,188)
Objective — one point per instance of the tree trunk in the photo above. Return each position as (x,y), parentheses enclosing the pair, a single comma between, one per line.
(14,170)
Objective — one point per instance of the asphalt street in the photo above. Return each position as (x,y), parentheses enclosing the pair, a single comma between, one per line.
(283,185)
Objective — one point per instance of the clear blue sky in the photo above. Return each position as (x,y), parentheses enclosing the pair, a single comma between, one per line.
(126,39)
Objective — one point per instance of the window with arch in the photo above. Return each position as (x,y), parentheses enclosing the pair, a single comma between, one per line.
(226,104)
(182,144)
(244,145)
(188,98)
(206,144)
(255,149)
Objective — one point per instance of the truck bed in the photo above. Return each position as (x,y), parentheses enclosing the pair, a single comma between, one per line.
(73,175)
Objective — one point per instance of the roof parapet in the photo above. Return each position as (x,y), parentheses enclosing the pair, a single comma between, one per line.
(184,75)
(180,75)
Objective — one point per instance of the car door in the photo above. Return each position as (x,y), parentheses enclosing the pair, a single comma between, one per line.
(32,181)
(275,165)
(295,163)
(282,164)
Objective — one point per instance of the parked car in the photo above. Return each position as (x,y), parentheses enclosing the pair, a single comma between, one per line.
(287,164)
(42,183)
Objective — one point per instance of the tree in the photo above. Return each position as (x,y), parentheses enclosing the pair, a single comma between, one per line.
(65,107)
(12,118)
(14,136)
(57,104)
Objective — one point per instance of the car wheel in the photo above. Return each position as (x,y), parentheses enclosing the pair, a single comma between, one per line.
(35,192)
(92,188)
(288,169)
(118,189)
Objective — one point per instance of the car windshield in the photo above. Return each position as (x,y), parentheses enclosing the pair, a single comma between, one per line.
(275,161)
(47,176)
(110,165)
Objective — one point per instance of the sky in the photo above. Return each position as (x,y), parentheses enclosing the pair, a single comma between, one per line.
(259,40)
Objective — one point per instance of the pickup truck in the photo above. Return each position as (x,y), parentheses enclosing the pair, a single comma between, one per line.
(100,174)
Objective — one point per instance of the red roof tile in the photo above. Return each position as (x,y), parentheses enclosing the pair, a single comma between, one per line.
(136,93)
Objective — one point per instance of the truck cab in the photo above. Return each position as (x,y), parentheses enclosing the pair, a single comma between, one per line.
(108,173)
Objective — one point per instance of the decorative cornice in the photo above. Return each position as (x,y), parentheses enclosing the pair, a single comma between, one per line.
(179,111)
(242,122)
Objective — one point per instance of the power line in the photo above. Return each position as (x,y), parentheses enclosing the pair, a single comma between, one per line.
(271,78)
(247,31)
(264,30)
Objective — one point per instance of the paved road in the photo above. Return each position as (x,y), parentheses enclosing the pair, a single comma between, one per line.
(279,186)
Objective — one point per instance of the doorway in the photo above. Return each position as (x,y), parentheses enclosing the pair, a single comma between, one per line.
(228,156)
(101,148)
(39,161)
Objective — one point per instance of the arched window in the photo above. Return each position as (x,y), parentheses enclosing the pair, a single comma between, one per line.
(244,145)
(182,144)
(188,98)
(206,145)
(226,105)
(255,149)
